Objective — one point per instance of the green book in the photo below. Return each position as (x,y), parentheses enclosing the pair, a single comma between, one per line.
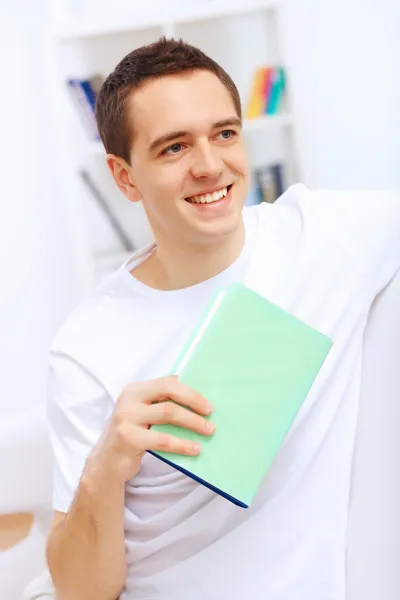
(255,363)
(277,90)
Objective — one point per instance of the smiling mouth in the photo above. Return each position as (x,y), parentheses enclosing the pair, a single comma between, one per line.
(209,198)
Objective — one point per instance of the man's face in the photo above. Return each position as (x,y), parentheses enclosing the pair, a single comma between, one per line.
(187,151)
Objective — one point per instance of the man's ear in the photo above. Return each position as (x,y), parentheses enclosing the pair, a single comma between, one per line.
(121,172)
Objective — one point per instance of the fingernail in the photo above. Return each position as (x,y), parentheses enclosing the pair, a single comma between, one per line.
(209,426)
(196,448)
(209,408)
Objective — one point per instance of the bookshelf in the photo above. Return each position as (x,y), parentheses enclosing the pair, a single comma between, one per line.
(168,15)
(241,35)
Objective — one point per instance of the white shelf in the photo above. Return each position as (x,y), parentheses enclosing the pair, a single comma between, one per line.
(266,122)
(76,30)
(214,9)
(189,12)
(258,124)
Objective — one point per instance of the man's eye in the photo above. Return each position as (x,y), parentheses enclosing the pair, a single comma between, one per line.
(174,149)
(227,134)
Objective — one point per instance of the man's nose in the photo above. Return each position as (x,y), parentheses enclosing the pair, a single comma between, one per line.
(207,163)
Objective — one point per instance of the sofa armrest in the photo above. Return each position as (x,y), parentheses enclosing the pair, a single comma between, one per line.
(374,523)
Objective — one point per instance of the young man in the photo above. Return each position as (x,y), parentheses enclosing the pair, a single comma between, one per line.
(126,524)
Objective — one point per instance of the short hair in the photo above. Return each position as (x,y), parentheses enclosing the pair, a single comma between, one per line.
(163,57)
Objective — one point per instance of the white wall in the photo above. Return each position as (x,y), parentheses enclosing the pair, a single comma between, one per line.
(41,255)
(43,272)
(343,61)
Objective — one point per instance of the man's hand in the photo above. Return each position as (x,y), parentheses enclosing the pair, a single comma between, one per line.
(128,434)
(86,550)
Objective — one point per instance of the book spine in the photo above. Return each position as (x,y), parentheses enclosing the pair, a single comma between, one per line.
(256,101)
(88,89)
(266,89)
(89,92)
(122,235)
(84,106)
(277,89)
(254,196)
(277,175)
(270,180)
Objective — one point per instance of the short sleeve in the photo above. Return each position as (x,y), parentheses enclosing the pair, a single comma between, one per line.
(365,224)
(78,409)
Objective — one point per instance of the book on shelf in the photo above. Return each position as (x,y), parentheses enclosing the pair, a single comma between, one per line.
(270,181)
(254,196)
(107,209)
(267,184)
(255,363)
(256,104)
(267,92)
(84,93)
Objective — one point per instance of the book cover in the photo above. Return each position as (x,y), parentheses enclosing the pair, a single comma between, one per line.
(255,363)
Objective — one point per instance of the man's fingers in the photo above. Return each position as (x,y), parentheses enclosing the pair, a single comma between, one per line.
(156,441)
(174,414)
(159,390)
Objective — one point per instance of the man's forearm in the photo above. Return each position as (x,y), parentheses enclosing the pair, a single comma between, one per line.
(85,552)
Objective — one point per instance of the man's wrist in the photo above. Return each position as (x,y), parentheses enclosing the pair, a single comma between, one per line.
(100,475)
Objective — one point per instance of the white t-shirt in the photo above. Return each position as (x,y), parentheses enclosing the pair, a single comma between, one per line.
(323,256)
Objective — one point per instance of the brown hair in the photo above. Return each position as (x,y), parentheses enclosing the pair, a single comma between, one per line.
(163,57)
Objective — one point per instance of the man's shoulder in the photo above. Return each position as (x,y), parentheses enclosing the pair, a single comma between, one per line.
(337,213)
(360,227)
(88,323)
(288,215)
(293,205)
(356,206)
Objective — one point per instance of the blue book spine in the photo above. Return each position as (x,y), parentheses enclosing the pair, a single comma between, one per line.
(277,90)
(89,92)
(84,100)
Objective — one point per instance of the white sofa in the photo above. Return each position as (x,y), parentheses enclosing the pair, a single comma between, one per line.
(25,487)
(374,510)
(374,513)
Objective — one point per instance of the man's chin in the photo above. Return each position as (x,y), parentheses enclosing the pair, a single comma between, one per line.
(217,230)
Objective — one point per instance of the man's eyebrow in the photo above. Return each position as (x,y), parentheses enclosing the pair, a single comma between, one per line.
(167,137)
(225,122)
(173,135)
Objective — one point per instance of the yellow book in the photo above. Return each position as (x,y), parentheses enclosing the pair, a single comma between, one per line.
(256,102)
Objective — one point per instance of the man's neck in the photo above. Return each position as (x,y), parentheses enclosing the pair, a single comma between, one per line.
(169,268)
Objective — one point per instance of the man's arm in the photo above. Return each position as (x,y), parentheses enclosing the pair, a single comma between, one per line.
(85,550)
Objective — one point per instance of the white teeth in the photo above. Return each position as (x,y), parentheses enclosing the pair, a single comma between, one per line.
(209,198)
